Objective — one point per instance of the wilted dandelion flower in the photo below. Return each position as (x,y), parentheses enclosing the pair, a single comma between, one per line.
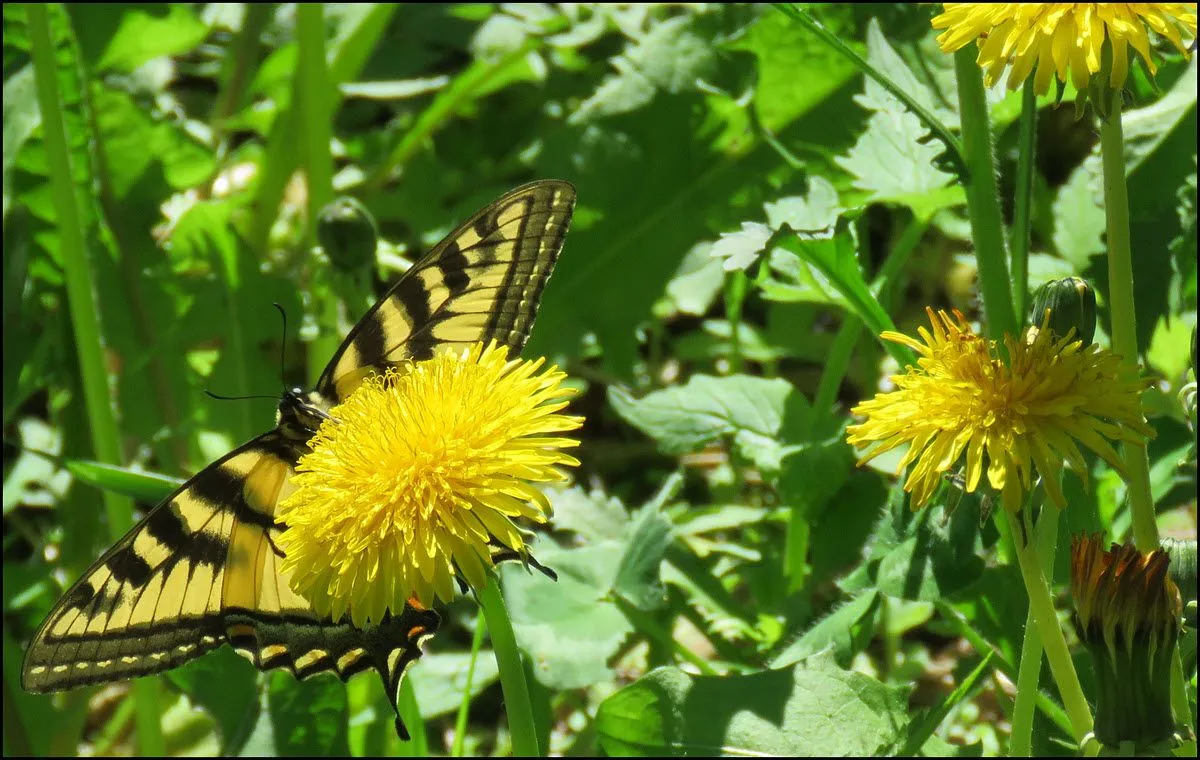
(1061,38)
(416,473)
(1010,420)
(1127,612)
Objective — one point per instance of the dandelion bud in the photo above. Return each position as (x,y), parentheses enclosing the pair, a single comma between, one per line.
(346,230)
(1071,302)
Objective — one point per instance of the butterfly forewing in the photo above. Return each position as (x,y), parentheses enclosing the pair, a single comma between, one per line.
(204,568)
(483,282)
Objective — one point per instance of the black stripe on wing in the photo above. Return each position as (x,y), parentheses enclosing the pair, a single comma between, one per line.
(482,282)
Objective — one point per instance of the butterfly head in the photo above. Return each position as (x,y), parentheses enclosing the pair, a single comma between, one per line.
(300,413)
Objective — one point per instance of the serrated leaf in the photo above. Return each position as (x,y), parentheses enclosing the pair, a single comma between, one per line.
(688,417)
(670,57)
(739,250)
(833,254)
(589,513)
(892,160)
(935,559)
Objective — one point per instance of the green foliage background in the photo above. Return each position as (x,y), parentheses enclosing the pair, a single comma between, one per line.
(729,580)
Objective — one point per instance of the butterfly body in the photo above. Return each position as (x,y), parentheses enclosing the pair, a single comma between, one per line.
(203,567)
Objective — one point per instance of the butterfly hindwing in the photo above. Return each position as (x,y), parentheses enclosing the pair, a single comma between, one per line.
(482,282)
(200,570)
(156,598)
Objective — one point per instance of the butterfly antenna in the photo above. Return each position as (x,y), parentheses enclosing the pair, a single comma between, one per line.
(282,345)
(219,397)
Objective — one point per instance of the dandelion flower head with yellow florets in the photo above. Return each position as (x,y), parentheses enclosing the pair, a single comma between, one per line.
(418,476)
(1060,39)
(964,403)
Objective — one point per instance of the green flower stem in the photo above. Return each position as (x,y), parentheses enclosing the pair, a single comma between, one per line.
(735,296)
(512,673)
(1046,535)
(1121,308)
(983,202)
(464,707)
(1041,605)
(1124,343)
(1023,200)
(85,321)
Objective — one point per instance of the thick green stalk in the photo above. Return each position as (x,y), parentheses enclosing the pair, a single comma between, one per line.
(1046,535)
(1121,308)
(85,320)
(983,201)
(1023,200)
(1041,607)
(1124,343)
(512,673)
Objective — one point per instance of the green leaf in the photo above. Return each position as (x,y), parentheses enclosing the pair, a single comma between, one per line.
(739,250)
(439,679)
(568,627)
(1170,351)
(934,559)
(226,685)
(833,253)
(22,117)
(688,417)
(592,514)
(893,160)
(140,33)
(845,632)
(670,57)
(149,487)
(695,284)
(1078,220)
(796,72)
(813,709)
(638,579)
(309,717)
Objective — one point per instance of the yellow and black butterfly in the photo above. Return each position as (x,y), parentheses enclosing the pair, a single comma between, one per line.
(202,568)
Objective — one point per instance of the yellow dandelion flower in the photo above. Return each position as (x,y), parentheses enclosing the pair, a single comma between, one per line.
(1061,38)
(416,474)
(1009,420)
(1127,612)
